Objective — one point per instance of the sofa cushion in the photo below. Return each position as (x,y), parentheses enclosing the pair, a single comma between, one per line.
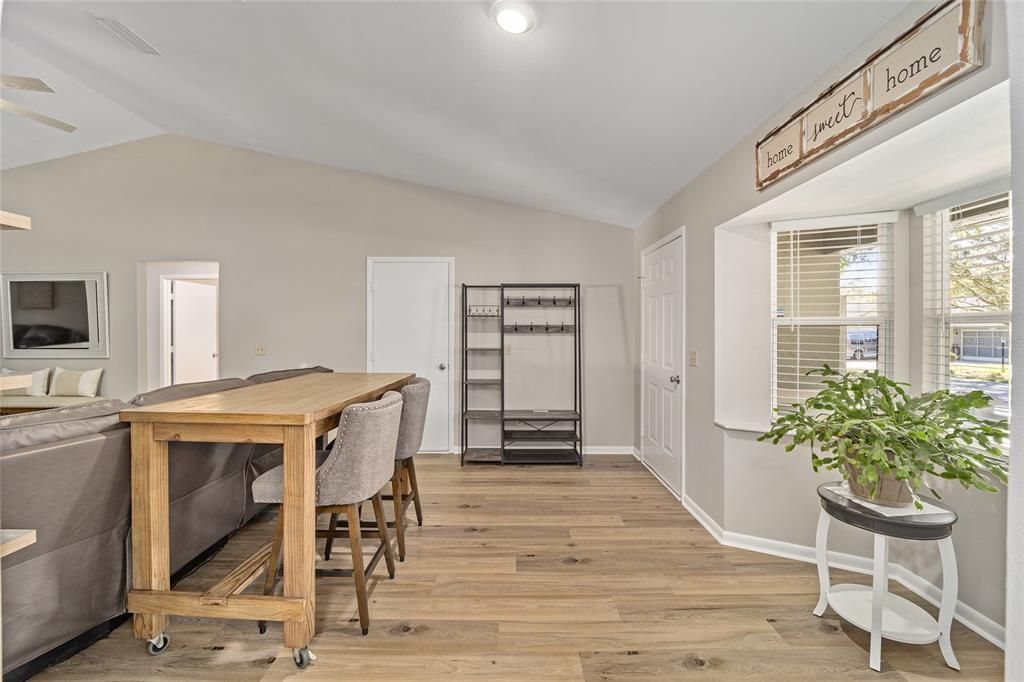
(180,391)
(278,374)
(50,426)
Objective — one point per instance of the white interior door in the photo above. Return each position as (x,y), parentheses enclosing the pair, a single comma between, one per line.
(409,330)
(662,363)
(194,342)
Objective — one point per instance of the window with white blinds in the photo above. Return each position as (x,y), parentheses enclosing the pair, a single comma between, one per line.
(832,303)
(967,270)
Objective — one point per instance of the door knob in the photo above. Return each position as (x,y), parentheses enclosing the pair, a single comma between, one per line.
(675,379)
(442,367)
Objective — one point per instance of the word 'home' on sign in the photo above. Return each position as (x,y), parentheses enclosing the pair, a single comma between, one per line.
(915,68)
(780,156)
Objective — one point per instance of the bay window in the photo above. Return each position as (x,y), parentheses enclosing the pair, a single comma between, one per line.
(832,302)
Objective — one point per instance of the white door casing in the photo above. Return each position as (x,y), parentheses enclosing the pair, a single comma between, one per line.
(410,328)
(154,315)
(194,330)
(662,342)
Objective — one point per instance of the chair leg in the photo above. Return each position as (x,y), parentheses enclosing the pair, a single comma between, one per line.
(396,496)
(330,541)
(382,528)
(273,562)
(358,572)
(415,490)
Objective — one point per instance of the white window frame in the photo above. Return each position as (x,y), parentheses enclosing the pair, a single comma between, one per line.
(897,323)
(938,314)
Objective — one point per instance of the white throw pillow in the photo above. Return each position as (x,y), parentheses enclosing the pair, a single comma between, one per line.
(40,380)
(74,382)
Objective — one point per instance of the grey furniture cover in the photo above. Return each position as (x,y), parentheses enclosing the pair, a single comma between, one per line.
(278,374)
(72,485)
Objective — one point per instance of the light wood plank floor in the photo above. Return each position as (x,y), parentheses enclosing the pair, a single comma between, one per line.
(546,574)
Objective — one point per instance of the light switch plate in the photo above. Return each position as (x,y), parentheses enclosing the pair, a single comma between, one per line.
(693,358)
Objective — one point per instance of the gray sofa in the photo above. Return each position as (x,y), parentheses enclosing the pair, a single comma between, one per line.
(66,473)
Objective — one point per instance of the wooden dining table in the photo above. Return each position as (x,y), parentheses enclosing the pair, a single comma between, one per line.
(291,412)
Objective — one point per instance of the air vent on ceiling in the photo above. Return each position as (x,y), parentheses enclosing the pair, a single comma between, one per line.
(126,35)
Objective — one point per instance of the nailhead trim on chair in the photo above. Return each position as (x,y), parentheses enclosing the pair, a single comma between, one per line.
(341,432)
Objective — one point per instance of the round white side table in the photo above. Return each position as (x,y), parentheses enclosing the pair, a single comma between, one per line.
(875,609)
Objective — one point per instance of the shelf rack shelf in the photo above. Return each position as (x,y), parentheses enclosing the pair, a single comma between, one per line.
(525,436)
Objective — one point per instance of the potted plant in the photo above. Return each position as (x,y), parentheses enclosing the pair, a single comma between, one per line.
(884,441)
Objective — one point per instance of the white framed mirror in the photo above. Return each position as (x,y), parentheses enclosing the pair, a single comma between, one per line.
(55,315)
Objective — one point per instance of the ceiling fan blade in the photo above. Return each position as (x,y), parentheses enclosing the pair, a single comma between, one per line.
(36,116)
(24,83)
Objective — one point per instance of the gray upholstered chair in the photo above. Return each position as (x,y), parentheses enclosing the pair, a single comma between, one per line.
(415,396)
(355,469)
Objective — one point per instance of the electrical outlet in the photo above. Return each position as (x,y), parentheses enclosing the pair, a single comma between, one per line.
(693,358)
(261,349)
(508,349)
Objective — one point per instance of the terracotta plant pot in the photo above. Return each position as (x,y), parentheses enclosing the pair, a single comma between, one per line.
(891,492)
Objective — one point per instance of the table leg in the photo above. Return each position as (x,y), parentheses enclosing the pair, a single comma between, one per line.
(880,586)
(821,549)
(950,585)
(299,509)
(150,536)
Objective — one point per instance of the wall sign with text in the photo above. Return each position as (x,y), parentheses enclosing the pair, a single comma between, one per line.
(941,46)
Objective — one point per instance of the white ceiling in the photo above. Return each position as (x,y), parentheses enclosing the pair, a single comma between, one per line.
(603,111)
(101,122)
(964,146)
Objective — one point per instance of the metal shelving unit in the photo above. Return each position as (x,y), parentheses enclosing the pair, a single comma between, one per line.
(541,436)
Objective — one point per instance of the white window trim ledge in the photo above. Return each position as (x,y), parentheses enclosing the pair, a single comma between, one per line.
(971,618)
(829,222)
(964,196)
(746,427)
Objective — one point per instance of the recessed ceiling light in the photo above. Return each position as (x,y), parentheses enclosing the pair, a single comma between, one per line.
(512,16)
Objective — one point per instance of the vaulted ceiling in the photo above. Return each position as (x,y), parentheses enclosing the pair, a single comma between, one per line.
(603,111)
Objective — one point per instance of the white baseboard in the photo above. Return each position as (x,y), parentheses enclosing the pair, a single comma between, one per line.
(608,450)
(967,615)
(710,525)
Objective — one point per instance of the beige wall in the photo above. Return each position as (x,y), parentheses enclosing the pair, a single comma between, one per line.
(292,240)
(727,470)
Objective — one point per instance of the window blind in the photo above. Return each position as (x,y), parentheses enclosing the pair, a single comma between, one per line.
(831,303)
(967,270)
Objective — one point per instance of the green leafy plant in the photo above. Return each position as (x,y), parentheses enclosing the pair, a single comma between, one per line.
(869,422)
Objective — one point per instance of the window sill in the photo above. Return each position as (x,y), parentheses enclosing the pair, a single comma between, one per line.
(736,425)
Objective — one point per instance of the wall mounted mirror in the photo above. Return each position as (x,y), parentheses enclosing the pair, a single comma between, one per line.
(55,315)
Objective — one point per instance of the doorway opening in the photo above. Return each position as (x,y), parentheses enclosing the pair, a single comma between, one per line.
(178,323)
(192,344)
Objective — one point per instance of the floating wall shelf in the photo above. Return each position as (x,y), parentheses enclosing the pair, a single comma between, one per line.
(13,221)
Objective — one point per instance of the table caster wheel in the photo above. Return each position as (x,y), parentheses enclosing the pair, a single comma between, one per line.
(159,644)
(262,625)
(303,657)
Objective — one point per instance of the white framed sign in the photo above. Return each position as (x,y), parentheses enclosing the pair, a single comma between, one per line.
(941,46)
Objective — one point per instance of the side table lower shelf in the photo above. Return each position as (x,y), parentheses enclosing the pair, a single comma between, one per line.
(902,620)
